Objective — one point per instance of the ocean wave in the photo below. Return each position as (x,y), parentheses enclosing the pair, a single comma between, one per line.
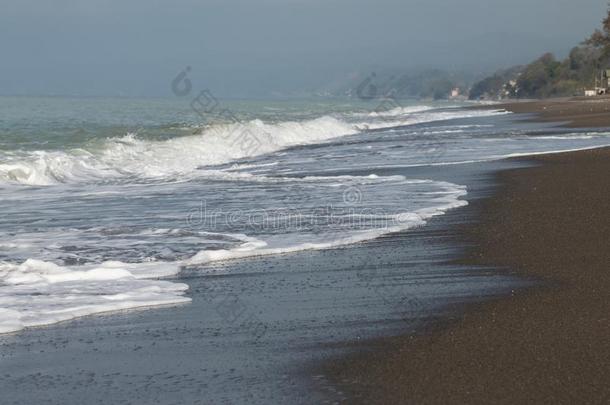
(131,156)
(449,198)
(37,292)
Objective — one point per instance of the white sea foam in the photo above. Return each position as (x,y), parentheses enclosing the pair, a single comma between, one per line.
(569,136)
(447,198)
(398,111)
(46,289)
(130,156)
(38,293)
(424,116)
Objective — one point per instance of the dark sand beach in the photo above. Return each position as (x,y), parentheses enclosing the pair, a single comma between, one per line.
(260,330)
(257,330)
(547,344)
(578,112)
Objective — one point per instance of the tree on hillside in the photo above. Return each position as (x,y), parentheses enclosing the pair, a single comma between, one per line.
(582,65)
(537,78)
(548,77)
(601,38)
(498,85)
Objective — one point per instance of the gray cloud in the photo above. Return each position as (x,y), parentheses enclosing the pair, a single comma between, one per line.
(249,47)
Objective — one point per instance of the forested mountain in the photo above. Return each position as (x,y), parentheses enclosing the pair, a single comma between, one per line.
(549,77)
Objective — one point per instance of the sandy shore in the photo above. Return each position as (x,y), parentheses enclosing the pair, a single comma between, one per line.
(549,344)
(579,112)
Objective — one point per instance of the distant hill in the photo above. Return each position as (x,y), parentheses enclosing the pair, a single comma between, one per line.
(549,77)
(501,84)
(417,84)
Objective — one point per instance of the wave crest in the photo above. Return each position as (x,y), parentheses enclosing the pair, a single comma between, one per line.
(130,156)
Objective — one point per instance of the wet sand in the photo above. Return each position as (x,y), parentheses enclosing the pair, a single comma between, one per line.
(548,344)
(257,327)
(578,112)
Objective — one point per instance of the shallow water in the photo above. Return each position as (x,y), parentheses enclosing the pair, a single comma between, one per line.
(256,330)
(121,204)
(96,212)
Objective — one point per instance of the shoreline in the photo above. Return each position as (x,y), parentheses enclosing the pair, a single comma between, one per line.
(259,329)
(544,344)
(310,302)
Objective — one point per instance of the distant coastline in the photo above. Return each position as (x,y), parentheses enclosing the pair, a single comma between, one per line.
(585,72)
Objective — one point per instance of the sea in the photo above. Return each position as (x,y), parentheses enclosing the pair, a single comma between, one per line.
(118,209)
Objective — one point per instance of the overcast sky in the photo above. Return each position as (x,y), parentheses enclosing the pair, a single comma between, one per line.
(253,47)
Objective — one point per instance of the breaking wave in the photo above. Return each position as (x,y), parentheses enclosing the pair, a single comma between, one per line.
(131,156)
